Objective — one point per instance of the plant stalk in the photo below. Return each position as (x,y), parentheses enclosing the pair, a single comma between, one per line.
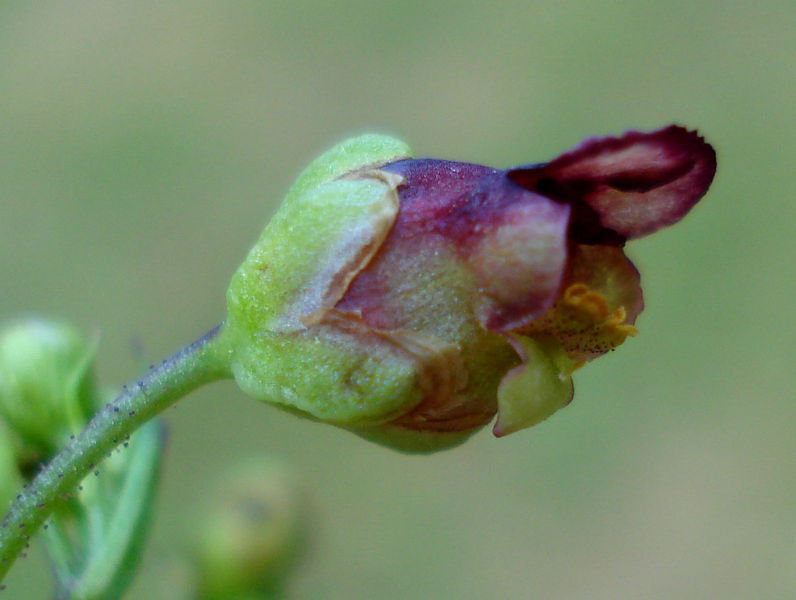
(201,362)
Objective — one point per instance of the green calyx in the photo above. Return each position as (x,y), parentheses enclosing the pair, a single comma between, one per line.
(289,346)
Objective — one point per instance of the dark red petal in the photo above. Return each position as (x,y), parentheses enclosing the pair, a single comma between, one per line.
(629,186)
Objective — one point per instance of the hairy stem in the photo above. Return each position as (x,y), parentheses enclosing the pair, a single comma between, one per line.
(201,362)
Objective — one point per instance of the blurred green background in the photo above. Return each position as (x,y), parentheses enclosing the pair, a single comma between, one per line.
(143,145)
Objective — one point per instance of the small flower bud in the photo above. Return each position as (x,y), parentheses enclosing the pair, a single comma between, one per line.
(409,300)
(251,533)
(46,384)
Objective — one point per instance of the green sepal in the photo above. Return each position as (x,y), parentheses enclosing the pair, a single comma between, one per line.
(413,441)
(288,347)
(323,222)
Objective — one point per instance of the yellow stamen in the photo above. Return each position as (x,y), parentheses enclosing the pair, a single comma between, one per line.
(583,323)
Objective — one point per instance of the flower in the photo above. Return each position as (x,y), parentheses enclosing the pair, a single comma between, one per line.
(410,300)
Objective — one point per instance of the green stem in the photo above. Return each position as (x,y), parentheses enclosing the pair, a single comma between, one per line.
(201,362)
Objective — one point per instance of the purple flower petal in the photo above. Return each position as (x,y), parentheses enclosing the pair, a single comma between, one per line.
(512,240)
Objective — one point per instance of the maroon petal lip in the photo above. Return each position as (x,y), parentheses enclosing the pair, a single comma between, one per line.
(626,187)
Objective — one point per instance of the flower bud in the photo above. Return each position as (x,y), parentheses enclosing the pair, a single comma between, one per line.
(252,532)
(409,300)
(46,385)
